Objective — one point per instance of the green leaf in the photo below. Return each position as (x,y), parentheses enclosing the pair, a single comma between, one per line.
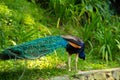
(109,52)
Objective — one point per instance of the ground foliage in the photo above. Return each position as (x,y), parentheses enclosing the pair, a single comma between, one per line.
(94,21)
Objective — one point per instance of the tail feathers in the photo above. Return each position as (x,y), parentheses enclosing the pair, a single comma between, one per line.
(35,48)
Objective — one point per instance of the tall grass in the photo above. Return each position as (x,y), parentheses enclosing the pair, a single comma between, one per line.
(98,27)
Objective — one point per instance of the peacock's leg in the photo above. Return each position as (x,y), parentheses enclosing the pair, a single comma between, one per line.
(76,61)
(69,62)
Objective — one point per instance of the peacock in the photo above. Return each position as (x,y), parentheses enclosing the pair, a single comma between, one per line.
(43,46)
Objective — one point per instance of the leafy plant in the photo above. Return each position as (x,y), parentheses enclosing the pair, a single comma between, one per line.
(118,43)
(4,10)
(104,36)
(28,20)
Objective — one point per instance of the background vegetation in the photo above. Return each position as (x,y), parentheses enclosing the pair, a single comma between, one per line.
(96,22)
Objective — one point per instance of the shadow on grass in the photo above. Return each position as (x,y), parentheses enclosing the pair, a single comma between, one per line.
(31,74)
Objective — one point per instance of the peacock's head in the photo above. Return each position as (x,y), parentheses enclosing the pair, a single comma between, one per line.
(82,55)
(81,51)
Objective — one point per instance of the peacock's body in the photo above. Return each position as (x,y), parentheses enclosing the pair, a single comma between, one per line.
(42,46)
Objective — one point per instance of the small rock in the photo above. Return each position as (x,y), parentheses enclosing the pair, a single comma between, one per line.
(91,77)
(115,75)
(110,78)
(100,76)
(119,74)
(82,78)
(109,74)
(60,78)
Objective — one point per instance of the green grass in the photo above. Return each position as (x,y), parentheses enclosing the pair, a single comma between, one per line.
(47,67)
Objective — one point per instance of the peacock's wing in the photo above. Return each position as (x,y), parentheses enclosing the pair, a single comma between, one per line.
(73,41)
(36,48)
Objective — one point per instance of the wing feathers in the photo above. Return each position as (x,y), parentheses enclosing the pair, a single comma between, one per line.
(72,40)
(74,45)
